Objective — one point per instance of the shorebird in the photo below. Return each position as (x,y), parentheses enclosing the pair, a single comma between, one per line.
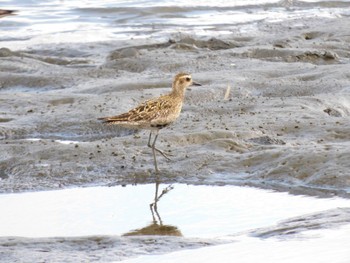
(156,114)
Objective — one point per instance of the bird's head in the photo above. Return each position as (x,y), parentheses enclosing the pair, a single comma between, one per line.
(182,81)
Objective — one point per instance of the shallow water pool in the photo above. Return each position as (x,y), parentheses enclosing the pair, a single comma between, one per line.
(192,211)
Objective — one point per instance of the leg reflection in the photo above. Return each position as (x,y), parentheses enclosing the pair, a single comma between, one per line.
(157,227)
(154,206)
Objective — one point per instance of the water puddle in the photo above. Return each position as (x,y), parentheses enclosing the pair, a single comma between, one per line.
(179,210)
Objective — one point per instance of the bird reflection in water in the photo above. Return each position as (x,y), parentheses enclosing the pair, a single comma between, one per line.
(157,227)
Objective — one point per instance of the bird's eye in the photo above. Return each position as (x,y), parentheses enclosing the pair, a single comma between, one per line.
(188,79)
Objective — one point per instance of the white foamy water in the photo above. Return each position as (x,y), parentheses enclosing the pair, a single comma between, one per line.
(56,22)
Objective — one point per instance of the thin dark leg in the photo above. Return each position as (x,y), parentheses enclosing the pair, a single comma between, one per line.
(156,149)
(149,140)
(154,152)
(153,149)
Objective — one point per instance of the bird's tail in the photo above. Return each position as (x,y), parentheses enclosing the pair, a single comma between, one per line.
(115,119)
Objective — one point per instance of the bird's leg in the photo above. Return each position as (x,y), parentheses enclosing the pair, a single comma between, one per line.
(149,140)
(153,146)
(153,150)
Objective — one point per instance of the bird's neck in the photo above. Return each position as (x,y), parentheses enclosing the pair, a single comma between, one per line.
(179,93)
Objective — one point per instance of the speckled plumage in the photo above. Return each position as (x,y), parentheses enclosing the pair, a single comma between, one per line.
(157,113)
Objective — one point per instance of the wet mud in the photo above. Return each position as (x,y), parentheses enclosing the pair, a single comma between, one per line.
(283,125)
(92,249)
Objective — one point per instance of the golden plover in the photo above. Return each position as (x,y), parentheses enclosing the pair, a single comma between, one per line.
(157,113)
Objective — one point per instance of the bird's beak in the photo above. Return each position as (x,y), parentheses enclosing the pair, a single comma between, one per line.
(196,84)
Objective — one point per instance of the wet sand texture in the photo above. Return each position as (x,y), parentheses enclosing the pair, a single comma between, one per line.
(91,249)
(284,124)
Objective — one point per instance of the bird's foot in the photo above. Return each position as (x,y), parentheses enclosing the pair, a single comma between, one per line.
(165,155)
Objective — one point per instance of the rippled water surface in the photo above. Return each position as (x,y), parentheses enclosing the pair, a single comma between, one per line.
(40,22)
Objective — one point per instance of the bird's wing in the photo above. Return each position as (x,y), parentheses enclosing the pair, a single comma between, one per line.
(146,111)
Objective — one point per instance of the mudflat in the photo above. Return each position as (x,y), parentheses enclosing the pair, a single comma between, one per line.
(273,110)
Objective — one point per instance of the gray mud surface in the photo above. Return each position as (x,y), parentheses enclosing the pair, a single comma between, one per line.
(284,125)
(90,249)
